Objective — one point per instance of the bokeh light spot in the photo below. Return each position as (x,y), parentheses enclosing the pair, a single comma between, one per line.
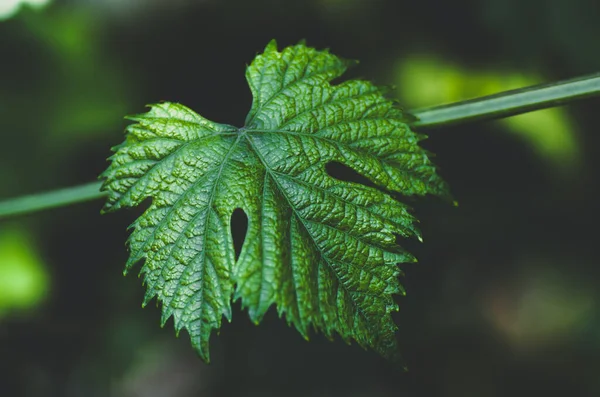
(9,8)
(24,280)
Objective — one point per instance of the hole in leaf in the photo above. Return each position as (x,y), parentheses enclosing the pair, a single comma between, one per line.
(239,227)
(344,173)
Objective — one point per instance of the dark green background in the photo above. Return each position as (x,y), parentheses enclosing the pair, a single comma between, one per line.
(504,300)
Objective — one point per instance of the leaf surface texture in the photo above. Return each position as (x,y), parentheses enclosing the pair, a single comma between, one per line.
(322,250)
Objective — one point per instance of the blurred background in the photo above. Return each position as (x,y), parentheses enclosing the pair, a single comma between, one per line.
(505,298)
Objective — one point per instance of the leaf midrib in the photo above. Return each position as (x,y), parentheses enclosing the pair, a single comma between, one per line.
(270,172)
(208,210)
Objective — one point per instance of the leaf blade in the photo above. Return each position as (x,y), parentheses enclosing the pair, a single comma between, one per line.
(321,250)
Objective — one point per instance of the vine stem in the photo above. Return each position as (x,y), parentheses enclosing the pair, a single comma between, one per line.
(509,103)
(52,199)
(504,104)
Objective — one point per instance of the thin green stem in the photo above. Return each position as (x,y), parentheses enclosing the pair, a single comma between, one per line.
(52,199)
(509,103)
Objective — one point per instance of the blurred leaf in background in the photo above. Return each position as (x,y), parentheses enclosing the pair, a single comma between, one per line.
(9,8)
(24,279)
(428,80)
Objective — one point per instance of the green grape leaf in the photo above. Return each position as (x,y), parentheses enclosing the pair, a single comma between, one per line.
(322,250)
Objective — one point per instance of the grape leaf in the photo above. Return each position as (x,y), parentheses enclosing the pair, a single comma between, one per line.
(320,249)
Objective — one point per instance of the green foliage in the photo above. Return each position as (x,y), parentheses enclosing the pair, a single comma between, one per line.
(24,278)
(322,250)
